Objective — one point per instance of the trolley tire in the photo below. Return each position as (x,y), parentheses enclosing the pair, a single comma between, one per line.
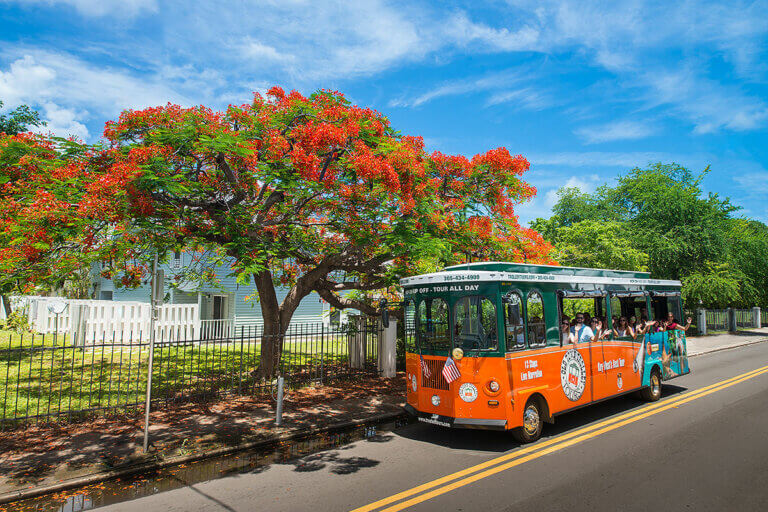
(653,392)
(533,423)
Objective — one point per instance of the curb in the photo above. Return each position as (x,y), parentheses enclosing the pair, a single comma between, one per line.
(93,478)
(720,349)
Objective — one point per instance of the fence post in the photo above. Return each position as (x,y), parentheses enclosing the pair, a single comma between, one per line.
(756,318)
(322,352)
(732,320)
(279,412)
(388,349)
(701,322)
(355,342)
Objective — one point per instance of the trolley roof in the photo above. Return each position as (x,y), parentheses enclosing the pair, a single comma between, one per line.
(503,271)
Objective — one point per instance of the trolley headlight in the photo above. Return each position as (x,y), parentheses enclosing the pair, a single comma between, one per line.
(494,386)
(458,353)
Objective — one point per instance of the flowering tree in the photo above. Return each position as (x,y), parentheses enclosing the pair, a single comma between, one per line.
(40,226)
(309,193)
(17,121)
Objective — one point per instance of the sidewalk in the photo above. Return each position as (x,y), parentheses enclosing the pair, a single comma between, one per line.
(61,456)
(56,457)
(712,343)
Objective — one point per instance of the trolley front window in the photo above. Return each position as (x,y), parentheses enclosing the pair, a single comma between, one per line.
(432,318)
(513,321)
(475,319)
(537,327)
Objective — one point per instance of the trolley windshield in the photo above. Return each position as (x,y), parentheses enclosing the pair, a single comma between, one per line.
(465,320)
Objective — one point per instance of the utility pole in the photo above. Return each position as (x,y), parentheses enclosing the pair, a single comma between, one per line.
(156,296)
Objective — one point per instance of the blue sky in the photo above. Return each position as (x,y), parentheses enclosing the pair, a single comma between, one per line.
(584,89)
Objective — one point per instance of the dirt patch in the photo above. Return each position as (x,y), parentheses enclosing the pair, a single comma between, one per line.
(44,454)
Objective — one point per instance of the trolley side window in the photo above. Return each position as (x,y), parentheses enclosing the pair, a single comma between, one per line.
(625,313)
(537,327)
(475,319)
(410,326)
(513,321)
(433,324)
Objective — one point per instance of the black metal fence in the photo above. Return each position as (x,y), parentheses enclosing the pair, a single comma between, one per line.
(45,377)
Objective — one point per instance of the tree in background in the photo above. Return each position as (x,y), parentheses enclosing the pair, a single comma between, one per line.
(714,286)
(308,193)
(12,123)
(19,120)
(662,221)
(747,249)
(594,244)
(41,232)
(669,218)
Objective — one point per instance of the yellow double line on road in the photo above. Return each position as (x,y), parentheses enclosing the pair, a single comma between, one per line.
(523,455)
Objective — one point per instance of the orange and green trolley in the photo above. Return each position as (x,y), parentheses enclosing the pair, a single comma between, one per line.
(499,329)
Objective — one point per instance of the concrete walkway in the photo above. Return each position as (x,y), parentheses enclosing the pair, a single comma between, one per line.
(703,344)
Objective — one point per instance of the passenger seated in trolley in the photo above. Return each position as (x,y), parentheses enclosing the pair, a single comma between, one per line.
(581,333)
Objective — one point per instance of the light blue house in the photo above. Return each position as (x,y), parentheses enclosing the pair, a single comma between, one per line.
(227,304)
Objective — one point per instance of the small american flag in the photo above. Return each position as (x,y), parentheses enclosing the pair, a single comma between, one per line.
(450,371)
(424,367)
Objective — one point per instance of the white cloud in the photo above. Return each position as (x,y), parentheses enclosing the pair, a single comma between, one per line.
(71,91)
(505,87)
(711,106)
(43,76)
(465,32)
(618,130)
(527,97)
(755,183)
(62,122)
(301,43)
(258,51)
(587,183)
(635,41)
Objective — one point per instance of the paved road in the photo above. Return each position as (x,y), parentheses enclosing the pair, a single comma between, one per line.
(703,447)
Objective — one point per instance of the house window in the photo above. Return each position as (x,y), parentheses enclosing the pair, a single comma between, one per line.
(176,262)
(105,295)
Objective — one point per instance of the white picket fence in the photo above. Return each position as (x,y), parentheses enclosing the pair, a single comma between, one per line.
(103,319)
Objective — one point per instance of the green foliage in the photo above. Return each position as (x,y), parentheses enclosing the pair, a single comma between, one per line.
(18,321)
(19,120)
(659,220)
(574,206)
(573,306)
(589,243)
(713,286)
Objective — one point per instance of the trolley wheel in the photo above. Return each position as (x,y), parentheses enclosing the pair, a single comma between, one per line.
(653,392)
(532,424)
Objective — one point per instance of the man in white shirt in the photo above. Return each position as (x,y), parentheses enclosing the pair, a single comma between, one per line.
(581,333)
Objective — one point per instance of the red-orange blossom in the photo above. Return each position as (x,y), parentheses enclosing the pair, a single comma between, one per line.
(310,193)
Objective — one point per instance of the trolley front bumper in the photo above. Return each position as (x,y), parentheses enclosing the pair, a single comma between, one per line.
(447,421)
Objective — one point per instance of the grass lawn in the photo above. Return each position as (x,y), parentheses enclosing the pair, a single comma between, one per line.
(41,376)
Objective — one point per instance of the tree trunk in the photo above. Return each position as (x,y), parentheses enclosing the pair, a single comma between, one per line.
(6,305)
(277,318)
(272,338)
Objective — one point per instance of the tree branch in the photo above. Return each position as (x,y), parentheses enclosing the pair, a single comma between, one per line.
(345,303)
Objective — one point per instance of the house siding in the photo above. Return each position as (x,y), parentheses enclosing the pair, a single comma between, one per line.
(243,304)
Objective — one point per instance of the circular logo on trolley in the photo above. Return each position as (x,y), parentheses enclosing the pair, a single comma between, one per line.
(573,375)
(413,383)
(468,392)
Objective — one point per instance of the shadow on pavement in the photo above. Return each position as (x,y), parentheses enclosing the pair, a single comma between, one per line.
(499,441)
